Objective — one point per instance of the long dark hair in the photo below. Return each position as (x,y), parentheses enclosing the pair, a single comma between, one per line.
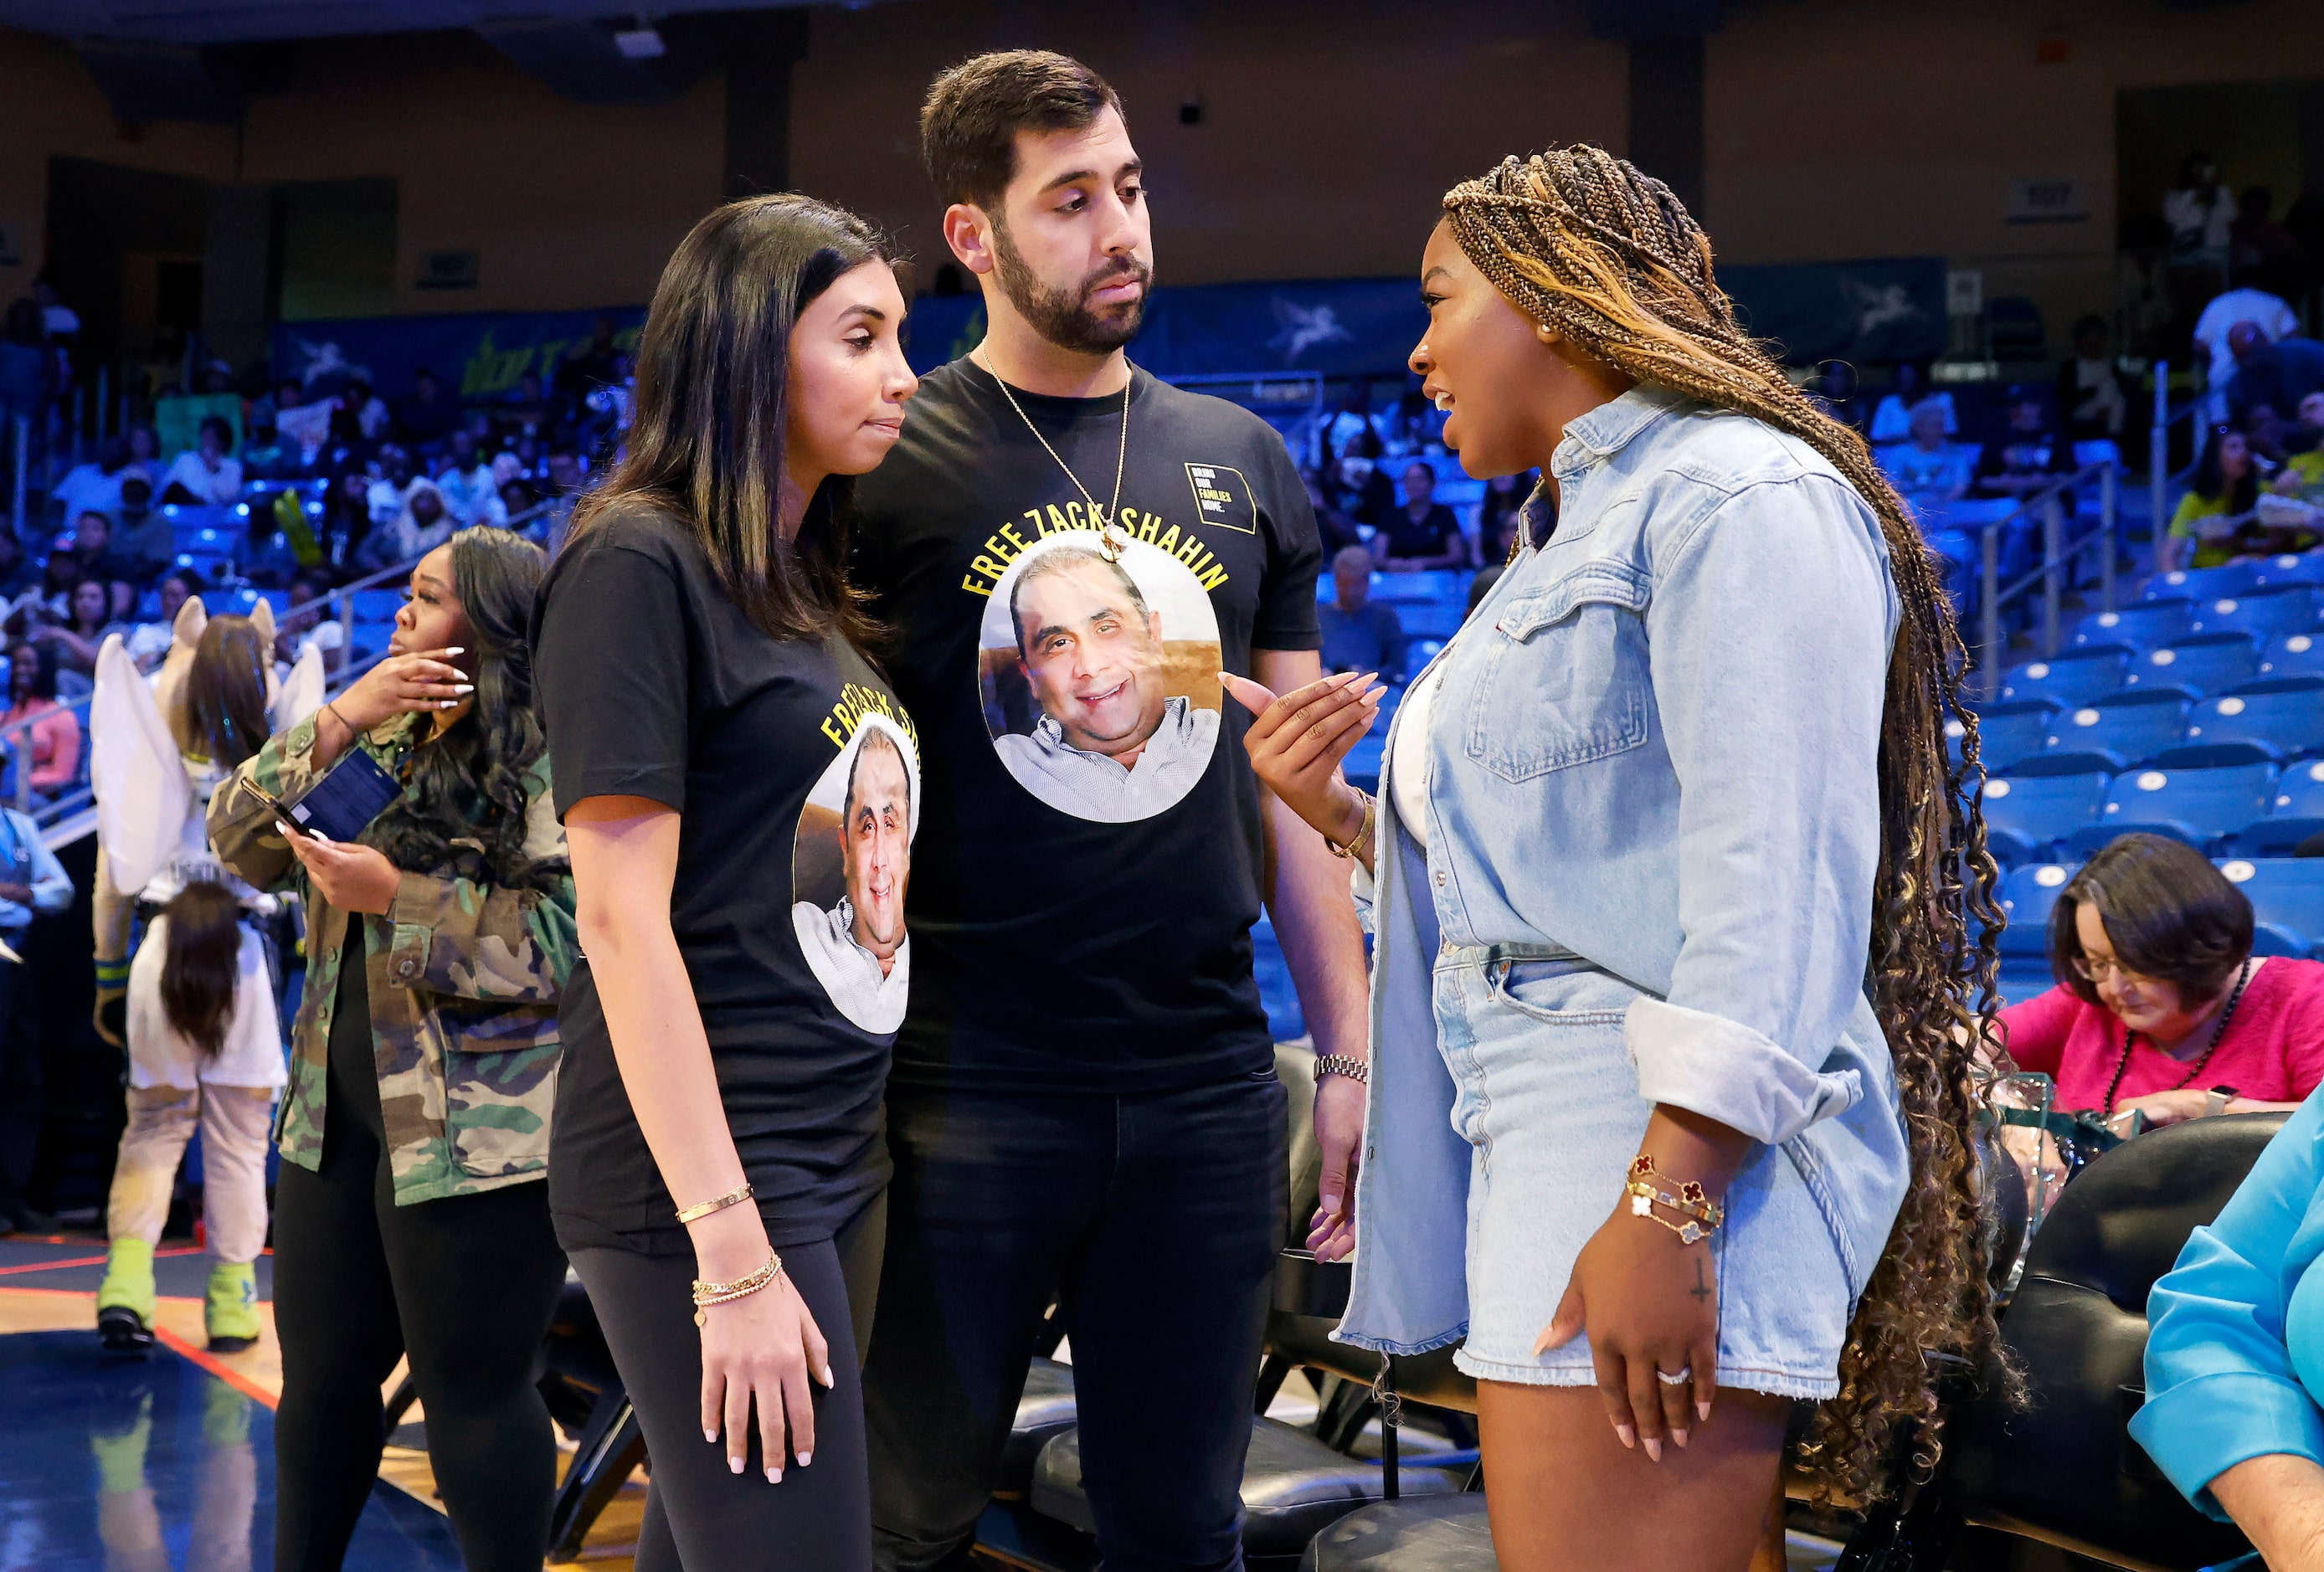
(462,814)
(225,691)
(710,421)
(201,963)
(2210,479)
(1584,242)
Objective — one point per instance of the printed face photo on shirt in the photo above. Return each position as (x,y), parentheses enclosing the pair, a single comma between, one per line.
(1100,678)
(850,865)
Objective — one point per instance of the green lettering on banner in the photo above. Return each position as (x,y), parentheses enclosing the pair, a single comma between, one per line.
(492,369)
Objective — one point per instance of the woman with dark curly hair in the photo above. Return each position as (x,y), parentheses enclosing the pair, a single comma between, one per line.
(411,1218)
(1666,868)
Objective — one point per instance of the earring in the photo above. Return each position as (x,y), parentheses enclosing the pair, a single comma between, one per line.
(1545,330)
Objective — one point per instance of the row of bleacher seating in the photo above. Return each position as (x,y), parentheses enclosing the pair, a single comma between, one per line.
(2258,809)
(2274,720)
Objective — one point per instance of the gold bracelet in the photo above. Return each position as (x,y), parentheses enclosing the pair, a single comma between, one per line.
(1703,1216)
(1363,831)
(701,1209)
(706,1294)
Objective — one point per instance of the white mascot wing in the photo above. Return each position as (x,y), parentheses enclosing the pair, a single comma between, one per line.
(302,695)
(141,795)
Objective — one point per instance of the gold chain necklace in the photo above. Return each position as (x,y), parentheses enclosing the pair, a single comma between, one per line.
(1112,536)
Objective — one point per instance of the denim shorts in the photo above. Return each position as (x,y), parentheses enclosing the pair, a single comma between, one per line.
(1547,1100)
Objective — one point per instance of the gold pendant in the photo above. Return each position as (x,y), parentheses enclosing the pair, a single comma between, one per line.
(701,1316)
(1112,539)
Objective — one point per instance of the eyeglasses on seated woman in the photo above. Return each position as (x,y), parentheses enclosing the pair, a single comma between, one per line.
(2160,1007)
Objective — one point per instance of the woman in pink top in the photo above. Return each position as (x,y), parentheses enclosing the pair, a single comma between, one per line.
(2160,1006)
(56,733)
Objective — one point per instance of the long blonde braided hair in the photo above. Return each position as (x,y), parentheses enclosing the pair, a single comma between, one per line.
(1609,260)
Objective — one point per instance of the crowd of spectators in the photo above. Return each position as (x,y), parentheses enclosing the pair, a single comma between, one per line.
(304,485)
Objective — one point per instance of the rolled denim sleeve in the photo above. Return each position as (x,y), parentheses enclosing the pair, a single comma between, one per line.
(1769,636)
(2220,1386)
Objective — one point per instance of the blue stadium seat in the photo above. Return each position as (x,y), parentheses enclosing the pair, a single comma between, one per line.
(2075,677)
(2272,719)
(2027,894)
(2268,614)
(2207,663)
(2026,816)
(2293,654)
(2125,730)
(2007,730)
(2305,568)
(2202,583)
(2149,625)
(2198,806)
(2287,897)
(2298,813)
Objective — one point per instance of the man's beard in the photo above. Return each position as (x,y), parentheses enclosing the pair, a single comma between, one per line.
(1064,316)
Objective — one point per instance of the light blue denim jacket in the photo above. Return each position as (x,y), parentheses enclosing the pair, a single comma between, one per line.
(1654,745)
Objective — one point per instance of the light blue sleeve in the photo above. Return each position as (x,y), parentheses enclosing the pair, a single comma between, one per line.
(52,886)
(1772,622)
(2220,1388)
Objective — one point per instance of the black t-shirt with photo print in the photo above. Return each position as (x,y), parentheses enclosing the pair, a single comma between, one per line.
(653,683)
(1053,951)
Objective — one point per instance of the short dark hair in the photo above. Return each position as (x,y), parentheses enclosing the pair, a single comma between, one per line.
(219,424)
(1064,559)
(2170,914)
(973,112)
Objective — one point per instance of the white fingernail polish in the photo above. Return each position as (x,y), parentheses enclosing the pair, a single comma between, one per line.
(774,1476)
(805,1458)
(464,687)
(734,1464)
(711,1437)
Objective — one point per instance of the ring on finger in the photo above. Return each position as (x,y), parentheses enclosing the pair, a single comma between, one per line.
(1678,1377)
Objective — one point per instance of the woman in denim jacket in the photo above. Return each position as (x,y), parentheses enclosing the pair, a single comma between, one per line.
(1663,876)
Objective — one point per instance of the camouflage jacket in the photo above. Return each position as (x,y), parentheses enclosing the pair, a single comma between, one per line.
(462,978)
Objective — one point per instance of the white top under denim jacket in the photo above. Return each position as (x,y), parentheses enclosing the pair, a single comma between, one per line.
(1653,744)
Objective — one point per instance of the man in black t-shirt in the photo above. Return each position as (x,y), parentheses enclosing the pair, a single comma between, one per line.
(1084,1108)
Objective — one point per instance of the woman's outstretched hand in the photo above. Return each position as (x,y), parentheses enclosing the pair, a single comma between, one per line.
(1297,741)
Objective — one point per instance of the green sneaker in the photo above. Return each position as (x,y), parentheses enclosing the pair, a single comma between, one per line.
(230,1313)
(124,1300)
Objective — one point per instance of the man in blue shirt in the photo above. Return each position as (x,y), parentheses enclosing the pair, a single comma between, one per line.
(31,881)
(1358,636)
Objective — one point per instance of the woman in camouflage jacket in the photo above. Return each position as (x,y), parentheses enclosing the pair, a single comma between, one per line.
(423,1068)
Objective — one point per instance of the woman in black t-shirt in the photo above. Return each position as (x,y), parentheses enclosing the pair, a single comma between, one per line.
(739,789)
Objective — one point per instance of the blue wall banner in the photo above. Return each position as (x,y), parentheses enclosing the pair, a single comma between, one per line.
(1890,309)
(476,354)
(1860,311)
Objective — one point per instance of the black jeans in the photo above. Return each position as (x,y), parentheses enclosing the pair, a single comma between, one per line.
(465,1285)
(700,1515)
(1154,1219)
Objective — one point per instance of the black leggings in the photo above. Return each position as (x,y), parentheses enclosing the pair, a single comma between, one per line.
(465,1285)
(700,1516)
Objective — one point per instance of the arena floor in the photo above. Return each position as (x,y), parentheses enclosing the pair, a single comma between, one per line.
(130,1466)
